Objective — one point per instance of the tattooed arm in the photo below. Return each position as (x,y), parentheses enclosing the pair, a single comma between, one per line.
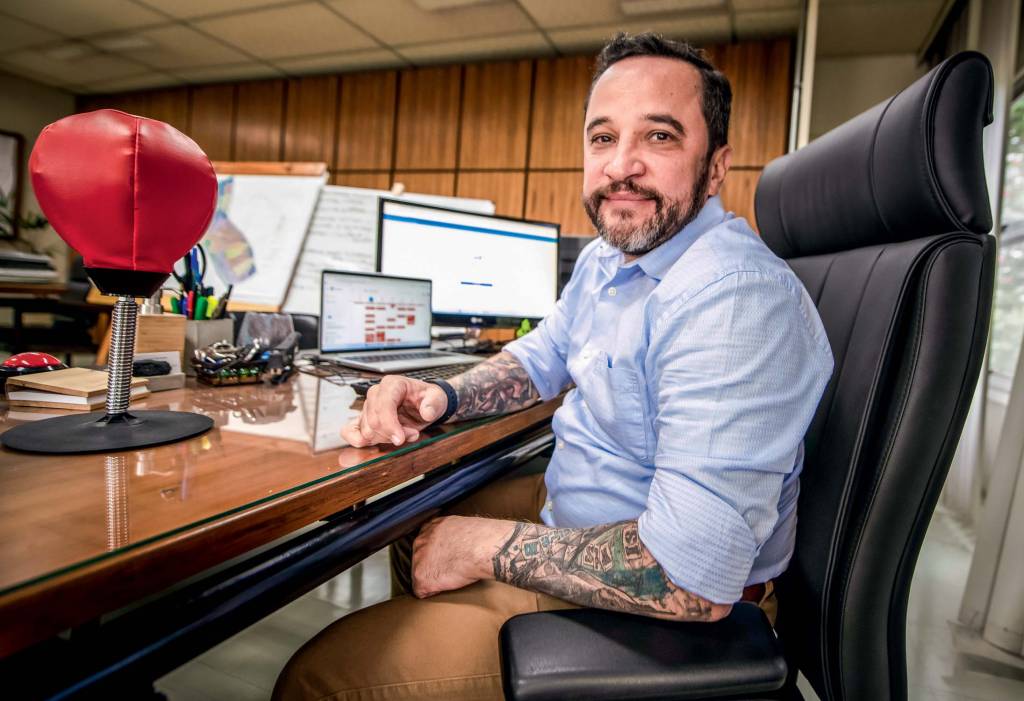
(496,386)
(605,566)
(397,409)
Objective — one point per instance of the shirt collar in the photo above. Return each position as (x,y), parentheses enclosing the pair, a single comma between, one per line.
(657,262)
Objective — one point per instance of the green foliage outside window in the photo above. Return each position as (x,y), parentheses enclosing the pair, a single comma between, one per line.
(1008,315)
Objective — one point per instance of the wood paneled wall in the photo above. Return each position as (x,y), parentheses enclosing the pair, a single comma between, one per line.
(508,131)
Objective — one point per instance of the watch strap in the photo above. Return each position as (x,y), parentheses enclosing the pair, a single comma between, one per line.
(453,402)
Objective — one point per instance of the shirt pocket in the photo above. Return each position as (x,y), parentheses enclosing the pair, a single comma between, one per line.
(615,397)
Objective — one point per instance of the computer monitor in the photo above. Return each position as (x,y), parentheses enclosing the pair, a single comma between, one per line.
(364,311)
(485,269)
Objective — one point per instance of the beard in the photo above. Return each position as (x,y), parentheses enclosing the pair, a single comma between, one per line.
(636,236)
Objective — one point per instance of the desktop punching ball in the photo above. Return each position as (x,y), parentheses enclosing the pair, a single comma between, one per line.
(132,195)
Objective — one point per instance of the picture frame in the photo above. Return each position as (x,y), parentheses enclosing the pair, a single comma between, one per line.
(12,153)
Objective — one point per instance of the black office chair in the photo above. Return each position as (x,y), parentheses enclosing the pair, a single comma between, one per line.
(885,221)
(308,326)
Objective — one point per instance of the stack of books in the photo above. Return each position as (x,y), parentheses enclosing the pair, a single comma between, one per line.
(79,389)
(16,266)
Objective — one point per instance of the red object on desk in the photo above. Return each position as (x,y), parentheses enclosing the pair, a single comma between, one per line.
(132,195)
(127,192)
(28,364)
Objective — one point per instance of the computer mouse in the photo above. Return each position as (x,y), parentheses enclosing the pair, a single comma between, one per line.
(27,364)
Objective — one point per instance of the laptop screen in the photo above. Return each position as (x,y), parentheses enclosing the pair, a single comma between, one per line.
(372,312)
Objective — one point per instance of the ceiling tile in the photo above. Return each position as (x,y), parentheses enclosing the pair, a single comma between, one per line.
(86,69)
(874,28)
(699,29)
(504,46)
(234,71)
(143,81)
(402,22)
(23,72)
(81,17)
(186,9)
(15,34)
(295,30)
(178,46)
(754,25)
(573,13)
(345,61)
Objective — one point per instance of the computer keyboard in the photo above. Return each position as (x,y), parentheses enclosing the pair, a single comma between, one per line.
(384,357)
(441,373)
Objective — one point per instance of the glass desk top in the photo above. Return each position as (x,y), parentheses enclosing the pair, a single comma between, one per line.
(61,513)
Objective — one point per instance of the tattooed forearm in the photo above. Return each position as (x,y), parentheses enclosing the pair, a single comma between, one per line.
(605,566)
(496,386)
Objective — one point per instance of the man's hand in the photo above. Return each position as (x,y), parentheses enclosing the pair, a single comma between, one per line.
(395,411)
(455,551)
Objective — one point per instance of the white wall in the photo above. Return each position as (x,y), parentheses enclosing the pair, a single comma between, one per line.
(845,86)
(26,107)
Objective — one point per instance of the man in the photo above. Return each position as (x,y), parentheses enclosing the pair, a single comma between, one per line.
(698,361)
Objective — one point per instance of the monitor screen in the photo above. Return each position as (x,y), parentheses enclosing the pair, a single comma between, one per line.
(483,268)
(360,311)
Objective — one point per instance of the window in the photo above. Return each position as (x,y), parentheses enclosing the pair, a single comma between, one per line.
(1008,314)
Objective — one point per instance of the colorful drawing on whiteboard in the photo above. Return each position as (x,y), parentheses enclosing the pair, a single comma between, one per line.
(225,243)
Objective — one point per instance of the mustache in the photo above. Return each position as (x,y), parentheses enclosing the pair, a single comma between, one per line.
(627,186)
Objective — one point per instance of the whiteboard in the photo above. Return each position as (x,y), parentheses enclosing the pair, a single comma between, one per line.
(343,236)
(257,233)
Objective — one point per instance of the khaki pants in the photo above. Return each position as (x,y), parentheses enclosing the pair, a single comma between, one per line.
(444,647)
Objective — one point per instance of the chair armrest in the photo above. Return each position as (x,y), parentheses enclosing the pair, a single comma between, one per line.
(603,655)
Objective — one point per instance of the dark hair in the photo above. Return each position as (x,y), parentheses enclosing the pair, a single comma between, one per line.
(716,98)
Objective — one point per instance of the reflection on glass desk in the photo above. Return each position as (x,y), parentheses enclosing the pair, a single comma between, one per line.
(121,525)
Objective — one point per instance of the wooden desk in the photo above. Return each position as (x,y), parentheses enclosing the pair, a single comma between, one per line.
(33,288)
(84,535)
(49,298)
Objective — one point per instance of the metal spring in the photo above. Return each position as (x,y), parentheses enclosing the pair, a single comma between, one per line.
(122,350)
(115,474)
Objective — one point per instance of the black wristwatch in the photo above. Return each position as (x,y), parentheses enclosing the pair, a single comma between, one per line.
(453,402)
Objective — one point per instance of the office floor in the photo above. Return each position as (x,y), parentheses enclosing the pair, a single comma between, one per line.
(244,667)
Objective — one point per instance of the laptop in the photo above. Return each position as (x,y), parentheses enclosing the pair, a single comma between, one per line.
(379,323)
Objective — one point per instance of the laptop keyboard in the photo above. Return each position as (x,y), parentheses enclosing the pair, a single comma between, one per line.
(384,357)
(441,373)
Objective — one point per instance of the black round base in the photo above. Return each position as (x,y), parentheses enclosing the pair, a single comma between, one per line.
(96,433)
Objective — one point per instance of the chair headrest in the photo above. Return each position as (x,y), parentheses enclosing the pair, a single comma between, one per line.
(909,167)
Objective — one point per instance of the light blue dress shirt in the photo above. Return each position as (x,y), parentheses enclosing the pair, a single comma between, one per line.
(697,370)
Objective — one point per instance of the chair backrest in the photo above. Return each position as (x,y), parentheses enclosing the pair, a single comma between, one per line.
(885,220)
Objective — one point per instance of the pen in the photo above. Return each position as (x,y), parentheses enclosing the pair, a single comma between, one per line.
(222,306)
(194,264)
(190,305)
(200,310)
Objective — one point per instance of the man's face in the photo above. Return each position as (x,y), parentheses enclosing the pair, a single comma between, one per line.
(646,173)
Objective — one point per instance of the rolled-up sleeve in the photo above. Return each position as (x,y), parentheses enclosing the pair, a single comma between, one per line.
(543,351)
(732,405)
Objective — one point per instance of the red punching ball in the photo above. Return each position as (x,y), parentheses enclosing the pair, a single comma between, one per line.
(131,194)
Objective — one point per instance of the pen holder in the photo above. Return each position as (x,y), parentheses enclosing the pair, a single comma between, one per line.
(199,334)
(159,333)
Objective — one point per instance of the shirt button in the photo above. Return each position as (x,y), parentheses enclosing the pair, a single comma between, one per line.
(549,506)
(611,291)
(561,445)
